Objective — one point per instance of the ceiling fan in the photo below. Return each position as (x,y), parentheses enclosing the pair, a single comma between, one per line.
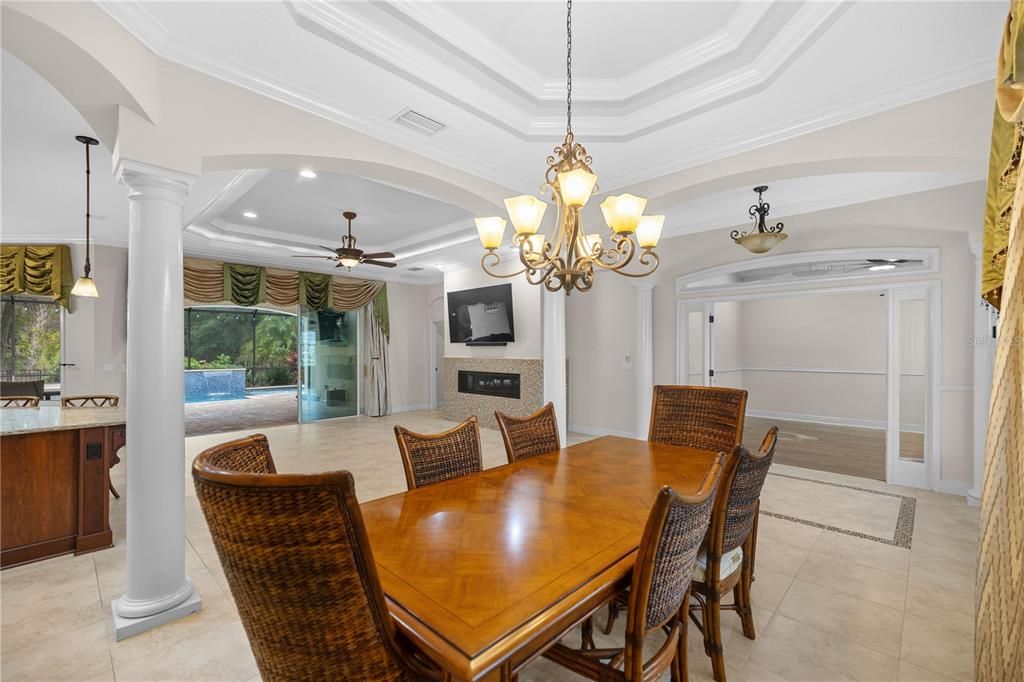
(348,256)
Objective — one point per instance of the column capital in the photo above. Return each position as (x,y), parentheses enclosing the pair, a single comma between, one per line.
(146,180)
(645,284)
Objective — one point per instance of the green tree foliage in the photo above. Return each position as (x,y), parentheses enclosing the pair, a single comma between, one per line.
(30,336)
(222,339)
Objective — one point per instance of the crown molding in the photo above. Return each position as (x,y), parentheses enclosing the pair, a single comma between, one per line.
(139,23)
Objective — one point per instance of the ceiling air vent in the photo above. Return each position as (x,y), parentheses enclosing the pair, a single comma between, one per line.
(415,269)
(414,120)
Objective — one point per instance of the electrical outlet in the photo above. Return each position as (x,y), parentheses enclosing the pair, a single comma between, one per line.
(108,369)
(627,362)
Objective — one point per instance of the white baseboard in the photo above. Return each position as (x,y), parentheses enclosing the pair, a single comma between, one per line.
(834,421)
(953,488)
(599,431)
(395,409)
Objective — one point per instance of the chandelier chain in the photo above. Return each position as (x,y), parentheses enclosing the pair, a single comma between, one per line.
(568,67)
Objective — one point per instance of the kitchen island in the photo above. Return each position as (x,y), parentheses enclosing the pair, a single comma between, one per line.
(54,480)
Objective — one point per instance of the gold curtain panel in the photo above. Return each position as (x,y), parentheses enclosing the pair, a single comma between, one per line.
(44,270)
(248,285)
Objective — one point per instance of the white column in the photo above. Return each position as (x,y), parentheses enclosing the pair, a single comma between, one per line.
(158,590)
(553,304)
(983,349)
(643,356)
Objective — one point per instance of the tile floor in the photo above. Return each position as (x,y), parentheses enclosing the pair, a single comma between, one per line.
(828,605)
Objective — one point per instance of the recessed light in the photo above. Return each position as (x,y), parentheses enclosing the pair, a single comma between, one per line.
(888,266)
(250,214)
(307,173)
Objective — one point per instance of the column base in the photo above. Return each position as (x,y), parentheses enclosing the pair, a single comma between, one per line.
(129,627)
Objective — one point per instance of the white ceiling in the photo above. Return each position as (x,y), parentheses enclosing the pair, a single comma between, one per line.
(658,87)
(309,210)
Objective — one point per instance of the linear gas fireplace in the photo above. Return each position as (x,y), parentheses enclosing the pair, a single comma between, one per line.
(498,384)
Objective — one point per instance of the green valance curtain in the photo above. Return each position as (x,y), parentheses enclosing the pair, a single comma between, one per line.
(44,270)
(249,285)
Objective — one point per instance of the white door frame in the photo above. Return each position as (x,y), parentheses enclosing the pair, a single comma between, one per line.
(682,334)
(902,472)
(434,371)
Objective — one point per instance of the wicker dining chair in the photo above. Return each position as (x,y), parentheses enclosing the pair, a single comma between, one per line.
(75,401)
(299,565)
(529,436)
(659,590)
(434,458)
(19,401)
(704,417)
(727,562)
(90,401)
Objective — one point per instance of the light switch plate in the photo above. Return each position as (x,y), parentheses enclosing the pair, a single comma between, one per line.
(108,369)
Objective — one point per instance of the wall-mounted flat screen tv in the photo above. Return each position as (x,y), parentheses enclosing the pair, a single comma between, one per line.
(481,315)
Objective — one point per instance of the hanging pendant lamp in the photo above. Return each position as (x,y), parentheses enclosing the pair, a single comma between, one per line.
(86,286)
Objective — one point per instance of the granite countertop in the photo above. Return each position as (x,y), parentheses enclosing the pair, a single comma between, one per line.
(19,420)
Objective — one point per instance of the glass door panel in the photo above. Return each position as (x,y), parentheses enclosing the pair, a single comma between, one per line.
(913,350)
(329,364)
(909,385)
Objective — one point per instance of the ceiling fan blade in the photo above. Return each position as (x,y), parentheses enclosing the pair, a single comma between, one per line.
(382,254)
(381,263)
(324,257)
(334,251)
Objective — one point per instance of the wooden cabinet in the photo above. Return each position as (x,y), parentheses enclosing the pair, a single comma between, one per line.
(54,495)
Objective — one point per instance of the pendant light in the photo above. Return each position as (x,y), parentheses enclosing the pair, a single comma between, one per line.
(86,286)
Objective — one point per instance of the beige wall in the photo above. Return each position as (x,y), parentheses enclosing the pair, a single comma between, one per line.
(526,305)
(409,345)
(96,330)
(597,321)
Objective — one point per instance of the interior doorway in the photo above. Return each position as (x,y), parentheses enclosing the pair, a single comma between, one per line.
(848,373)
(437,358)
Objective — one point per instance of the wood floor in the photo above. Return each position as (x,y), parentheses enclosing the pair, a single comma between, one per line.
(836,449)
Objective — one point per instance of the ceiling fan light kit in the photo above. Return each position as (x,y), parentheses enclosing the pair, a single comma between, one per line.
(348,256)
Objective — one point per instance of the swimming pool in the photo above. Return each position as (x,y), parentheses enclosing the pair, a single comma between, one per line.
(210,385)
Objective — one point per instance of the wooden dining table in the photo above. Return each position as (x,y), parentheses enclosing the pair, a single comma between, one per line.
(485,572)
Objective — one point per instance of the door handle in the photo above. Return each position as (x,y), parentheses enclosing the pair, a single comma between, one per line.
(68,364)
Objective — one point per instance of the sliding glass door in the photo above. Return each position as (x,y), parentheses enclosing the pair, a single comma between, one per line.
(329,364)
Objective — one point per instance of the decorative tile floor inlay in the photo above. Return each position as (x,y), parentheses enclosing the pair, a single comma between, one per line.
(902,536)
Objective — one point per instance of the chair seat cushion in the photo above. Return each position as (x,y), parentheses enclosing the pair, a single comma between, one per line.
(730,562)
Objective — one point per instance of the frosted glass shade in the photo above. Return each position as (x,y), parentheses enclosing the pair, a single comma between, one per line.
(350,262)
(491,231)
(85,286)
(622,212)
(576,186)
(535,250)
(589,243)
(648,230)
(526,212)
(761,242)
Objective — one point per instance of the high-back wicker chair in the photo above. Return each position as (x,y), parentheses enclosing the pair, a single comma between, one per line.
(90,401)
(705,417)
(529,436)
(35,387)
(296,556)
(75,401)
(249,455)
(729,560)
(433,458)
(658,593)
(19,401)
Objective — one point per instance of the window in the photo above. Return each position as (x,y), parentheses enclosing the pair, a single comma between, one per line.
(29,338)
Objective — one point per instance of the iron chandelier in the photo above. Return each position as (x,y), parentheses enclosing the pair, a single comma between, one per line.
(765,237)
(568,260)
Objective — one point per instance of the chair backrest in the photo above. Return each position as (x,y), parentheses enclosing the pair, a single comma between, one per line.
(19,401)
(22,388)
(705,417)
(298,561)
(736,505)
(666,558)
(250,455)
(529,436)
(90,401)
(433,458)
